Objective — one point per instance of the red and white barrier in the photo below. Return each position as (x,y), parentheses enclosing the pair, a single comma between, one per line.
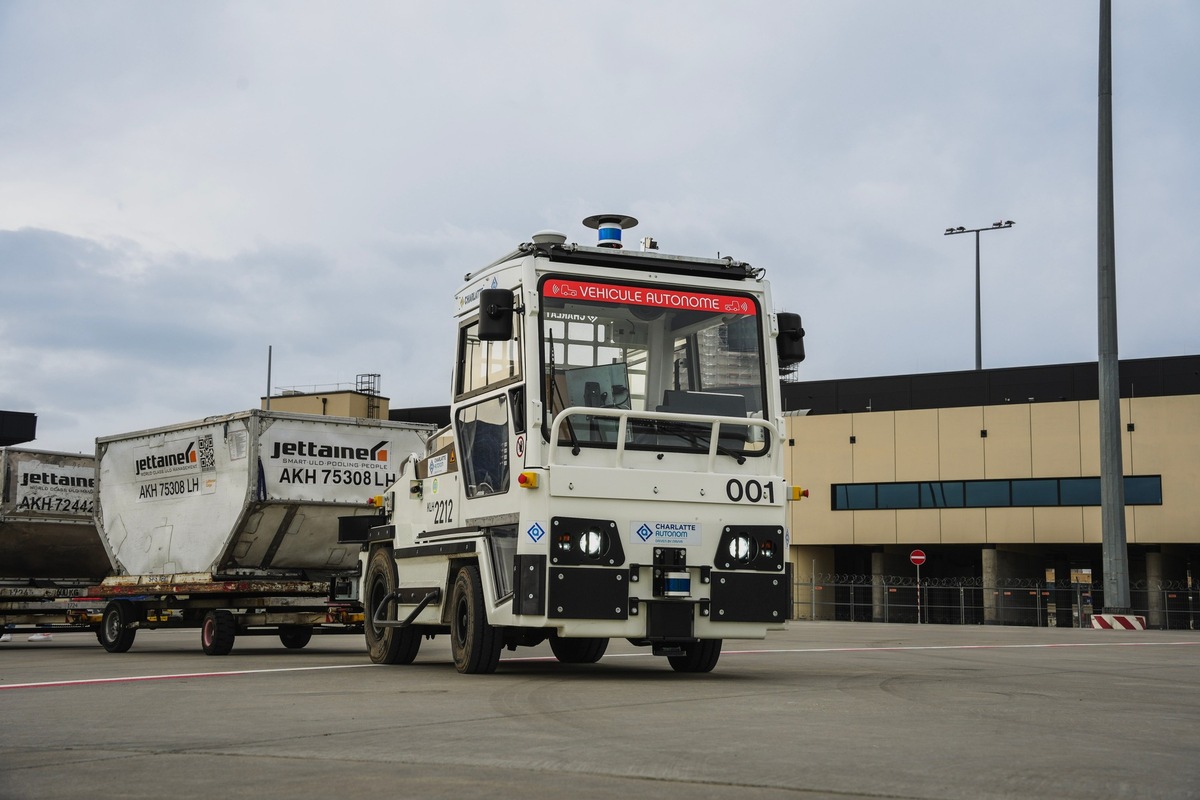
(1118,622)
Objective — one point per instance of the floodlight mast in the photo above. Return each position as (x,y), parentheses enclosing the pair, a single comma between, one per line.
(995,226)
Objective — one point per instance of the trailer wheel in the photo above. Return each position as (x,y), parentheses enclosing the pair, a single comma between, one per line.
(114,631)
(217,633)
(578,651)
(474,643)
(294,637)
(386,645)
(698,656)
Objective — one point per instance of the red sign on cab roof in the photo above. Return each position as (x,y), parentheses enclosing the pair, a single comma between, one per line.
(586,291)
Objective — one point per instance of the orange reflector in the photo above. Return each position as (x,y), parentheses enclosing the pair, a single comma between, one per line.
(527,480)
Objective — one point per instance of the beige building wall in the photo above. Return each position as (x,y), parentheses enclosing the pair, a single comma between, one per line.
(331,404)
(1051,440)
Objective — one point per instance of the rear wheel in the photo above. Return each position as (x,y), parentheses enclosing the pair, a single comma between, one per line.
(698,656)
(578,651)
(114,632)
(386,645)
(474,643)
(294,637)
(217,633)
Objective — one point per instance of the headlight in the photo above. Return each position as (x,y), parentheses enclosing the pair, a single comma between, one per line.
(584,541)
(593,544)
(757,547)
(742,549)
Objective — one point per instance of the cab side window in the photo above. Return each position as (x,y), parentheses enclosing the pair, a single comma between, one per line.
(483,431)
(483,364)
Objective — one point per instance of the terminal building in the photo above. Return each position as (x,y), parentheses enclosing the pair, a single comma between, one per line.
(994,475)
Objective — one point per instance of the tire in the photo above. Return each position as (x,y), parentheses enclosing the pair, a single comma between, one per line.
(578,651)
(114,632)
(295,637)
(474,643)
(698,656)
(386,645)
(217,633)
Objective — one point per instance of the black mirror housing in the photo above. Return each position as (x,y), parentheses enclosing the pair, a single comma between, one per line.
(790,344)
(496,308)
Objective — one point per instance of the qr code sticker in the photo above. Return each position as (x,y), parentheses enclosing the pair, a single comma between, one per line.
(208,456)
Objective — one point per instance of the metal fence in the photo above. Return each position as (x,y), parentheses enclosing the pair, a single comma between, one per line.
(967,601)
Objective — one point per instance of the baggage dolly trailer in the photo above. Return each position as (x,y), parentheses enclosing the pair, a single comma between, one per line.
(230,524)
(224,608)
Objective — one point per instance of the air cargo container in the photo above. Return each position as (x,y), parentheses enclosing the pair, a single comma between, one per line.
(230,523)
(50,551)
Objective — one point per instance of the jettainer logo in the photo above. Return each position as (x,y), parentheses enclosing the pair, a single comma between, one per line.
(53,479)
(157,464)
(309,450)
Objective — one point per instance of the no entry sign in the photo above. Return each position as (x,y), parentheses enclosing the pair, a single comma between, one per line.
(917,557)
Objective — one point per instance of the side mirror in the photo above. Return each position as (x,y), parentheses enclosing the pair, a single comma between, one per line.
(790,344)
(496,315)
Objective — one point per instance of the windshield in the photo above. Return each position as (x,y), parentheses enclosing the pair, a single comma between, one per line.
(652,349)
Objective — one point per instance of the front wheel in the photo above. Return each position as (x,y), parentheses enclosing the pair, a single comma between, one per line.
(115,632)
(386,645)
(474,643)
(698,656)
(578,651)
(217,633)
(295,637)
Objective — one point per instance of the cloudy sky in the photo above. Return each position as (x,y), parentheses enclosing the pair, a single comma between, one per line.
(183,185)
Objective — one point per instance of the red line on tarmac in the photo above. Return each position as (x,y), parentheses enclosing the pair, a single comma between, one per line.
(175,677)
(896,648)
(957,647)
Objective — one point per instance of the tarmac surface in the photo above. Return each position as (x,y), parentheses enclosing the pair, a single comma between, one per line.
(822,710)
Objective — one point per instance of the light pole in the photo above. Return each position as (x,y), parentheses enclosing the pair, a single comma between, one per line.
(995,226)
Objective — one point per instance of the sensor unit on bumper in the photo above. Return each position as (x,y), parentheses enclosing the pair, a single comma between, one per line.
(671,576)
(672,612)
(676,584)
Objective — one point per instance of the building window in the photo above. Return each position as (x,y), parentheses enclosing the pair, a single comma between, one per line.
(1079,491)
(854,496)
(1143,490)
(1035,492)
(1140,490)
(942,494)
(989,494)
(897,495)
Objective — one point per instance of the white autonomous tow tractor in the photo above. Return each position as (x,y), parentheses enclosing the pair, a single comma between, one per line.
(613,467)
